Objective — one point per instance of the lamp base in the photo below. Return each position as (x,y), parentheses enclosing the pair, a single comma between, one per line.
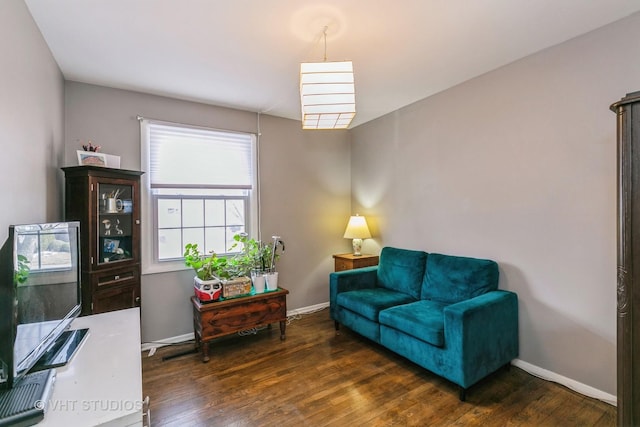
(357,247)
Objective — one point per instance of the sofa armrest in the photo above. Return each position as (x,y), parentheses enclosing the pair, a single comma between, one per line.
(483,333)
(350,280)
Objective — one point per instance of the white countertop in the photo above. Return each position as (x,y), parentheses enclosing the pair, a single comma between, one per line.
(102,385)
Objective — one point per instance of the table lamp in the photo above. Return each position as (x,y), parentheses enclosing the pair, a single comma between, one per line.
(357,230)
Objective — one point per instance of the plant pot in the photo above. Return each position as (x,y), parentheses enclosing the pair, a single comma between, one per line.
(207,290)
(271,280)
(258,282)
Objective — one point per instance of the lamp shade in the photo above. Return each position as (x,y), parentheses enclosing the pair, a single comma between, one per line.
(327,95)
(357,228)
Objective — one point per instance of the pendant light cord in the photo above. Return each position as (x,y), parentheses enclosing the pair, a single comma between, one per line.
(325,42)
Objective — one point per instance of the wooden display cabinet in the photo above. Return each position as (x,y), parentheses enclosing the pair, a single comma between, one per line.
(628,289)
(106,201)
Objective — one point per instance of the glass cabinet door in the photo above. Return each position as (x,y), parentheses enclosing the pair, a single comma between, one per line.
(115,223)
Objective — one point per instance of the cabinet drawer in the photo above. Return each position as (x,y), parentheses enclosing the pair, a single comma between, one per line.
(115,298)
(116,277)
(348,262)
(343,264)
(365,262)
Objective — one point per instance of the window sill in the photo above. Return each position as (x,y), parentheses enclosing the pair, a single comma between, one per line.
(167,267)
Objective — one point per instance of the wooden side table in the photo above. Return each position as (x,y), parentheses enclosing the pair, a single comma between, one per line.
(217,319)
(350,261)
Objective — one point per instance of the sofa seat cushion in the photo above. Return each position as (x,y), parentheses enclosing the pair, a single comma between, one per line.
(369,302)
(402,270)
(452,279)
(422,319)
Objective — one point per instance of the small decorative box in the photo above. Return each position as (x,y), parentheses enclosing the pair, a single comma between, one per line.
(237,287)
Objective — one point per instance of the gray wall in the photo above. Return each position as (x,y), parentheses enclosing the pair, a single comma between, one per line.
(31,122)
(518,165)
(305,190)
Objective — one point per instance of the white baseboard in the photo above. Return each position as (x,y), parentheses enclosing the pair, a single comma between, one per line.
(190,337)
(567,382)
(167,341)
(308,309)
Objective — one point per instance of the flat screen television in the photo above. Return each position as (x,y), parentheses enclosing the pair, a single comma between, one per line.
(39,298)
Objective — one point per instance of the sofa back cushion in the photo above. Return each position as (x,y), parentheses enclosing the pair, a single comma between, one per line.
(402,270)
(452,279)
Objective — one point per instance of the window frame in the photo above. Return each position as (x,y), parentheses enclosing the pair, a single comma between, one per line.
(149,231)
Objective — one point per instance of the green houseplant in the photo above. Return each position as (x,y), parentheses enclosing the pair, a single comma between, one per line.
(205,267)
(206,284)
(256,255)
(21,273)
(255,263)
(258,258)
(217,276)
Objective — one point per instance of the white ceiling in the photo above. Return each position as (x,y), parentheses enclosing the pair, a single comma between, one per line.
(245,54)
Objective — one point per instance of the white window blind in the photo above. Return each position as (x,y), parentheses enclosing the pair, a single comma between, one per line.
(190,157)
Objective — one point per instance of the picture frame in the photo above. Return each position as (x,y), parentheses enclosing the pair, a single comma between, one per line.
(91,158)
(110,245)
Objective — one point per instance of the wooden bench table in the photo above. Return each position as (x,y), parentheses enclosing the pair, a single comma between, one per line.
(216,319)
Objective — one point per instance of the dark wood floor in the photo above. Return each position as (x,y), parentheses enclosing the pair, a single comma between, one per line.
(318,378)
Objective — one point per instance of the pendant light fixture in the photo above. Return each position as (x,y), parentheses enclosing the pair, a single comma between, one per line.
(327,93)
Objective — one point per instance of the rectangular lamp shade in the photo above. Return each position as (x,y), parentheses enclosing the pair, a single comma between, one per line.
(327,95)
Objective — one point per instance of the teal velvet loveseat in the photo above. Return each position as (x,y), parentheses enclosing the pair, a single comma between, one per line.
(443,312)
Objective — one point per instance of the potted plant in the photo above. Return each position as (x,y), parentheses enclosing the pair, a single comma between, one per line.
(216,276)
(258,259)
(206,283)
(232,276)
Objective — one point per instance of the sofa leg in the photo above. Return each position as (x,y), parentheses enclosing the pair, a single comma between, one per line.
(337,327)
(462,394)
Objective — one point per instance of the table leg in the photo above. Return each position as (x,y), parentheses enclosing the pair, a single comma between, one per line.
(205,351)
(283,325)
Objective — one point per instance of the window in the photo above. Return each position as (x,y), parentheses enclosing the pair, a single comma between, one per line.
(201,188)
(43,250)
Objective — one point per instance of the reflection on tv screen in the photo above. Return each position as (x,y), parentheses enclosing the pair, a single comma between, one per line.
(46,277)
